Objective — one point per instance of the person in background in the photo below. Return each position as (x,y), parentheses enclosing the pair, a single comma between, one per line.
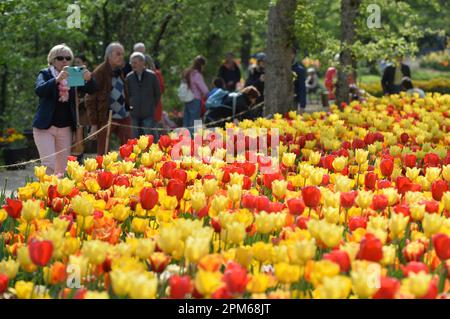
(299,72)
(217,83)
(312,81)
(55,119)
(230,73)
(194,79)
(330,82)
(144,94)
(256,75)
(112,94)
(407,85)
(154,66)
(393,75)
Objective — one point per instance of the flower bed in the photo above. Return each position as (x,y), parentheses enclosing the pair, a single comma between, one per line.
(355,205)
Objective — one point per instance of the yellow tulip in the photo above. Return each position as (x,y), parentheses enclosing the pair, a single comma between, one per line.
(418,283)
(446,200)
(234,192)
(82,206)
(432,223)
(121,282)
(92,185)
(139,225)
(258,283)
(65,186)
(207,282)
(321,269)
(388,255)
(30,210)
(40,171)
(432,174)
(23,257)
(412,173)
(234,233)
(9,267)
(288,159)
(198,200)
(95,251)
(446,172)
(219,203)
(279,188)
(24,289)
(145,248)
(210,187)
(314,158)
(286,273)
(339,163)
(330,234)
(196,248)
(364,199)
(169,238)
(262,251)
(3,215)
(90,164)
(361,156)
(120,212)
(265,222)
(244,255)
(302,251)
(337,287)
(143,287)
(397,225)
(417,211)
(364,282)
(96,295)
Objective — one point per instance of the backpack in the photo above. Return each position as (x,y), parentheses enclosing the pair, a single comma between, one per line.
(216,99)
(184,93)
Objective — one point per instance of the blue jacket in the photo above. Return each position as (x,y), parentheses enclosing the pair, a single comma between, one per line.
(299,84)
(47,90)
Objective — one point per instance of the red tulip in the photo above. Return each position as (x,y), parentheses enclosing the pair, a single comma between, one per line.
(402,209)
(159,261)
(180,286)
(262,203)
(13,207)
(296,206)
(180,174)
(404,137)
(167,169)
(105,179)
(235,278)
(71,158)
(40,252)
(370,180)
(409,160)
(248,201)
(176,188)
(386,167)
(58,204)
(99,159)
(348,199)
(222,293)
(369,138)
(432,290)
(380,202)
(431,160)
(311,196)
(164,142)
(302,222)
(431,206)
(122,180)
(339,257)
(370,248)
(438,188)
(148,197)
(275,207)
(125,150)
(3,283)
(247,183)
(388,288)
(415,267)
(356,222)
(358,143)
(441,244)
(384,183)
(413,253)
(249,169)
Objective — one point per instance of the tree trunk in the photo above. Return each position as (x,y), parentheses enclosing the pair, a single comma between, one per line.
(246,48)
(347,62)
(279,90)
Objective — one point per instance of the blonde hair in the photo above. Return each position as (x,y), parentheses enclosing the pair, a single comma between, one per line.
(57,50)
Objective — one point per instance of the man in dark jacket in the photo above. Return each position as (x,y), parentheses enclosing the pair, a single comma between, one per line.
(144,93)
(230,73)
(299,73)
(112,94)
(393,75)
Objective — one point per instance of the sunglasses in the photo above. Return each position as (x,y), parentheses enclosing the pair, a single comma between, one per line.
(60,58)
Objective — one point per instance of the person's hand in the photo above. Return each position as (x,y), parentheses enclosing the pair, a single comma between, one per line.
(86,74)
(62,75)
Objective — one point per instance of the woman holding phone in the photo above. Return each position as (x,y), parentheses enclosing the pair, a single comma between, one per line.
(55,119)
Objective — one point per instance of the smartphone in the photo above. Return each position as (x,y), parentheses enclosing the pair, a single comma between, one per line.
(75,76)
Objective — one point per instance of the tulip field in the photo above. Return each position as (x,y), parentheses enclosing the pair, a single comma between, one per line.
(355,204)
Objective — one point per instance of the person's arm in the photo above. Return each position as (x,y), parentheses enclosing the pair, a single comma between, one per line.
(200,83)
(45,88)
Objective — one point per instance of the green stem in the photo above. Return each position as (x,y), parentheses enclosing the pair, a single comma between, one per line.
(443,277)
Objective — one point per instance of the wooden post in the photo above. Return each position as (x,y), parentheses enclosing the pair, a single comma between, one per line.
(108,131)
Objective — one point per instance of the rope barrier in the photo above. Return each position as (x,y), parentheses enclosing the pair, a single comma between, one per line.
(56,153)
(90,136)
